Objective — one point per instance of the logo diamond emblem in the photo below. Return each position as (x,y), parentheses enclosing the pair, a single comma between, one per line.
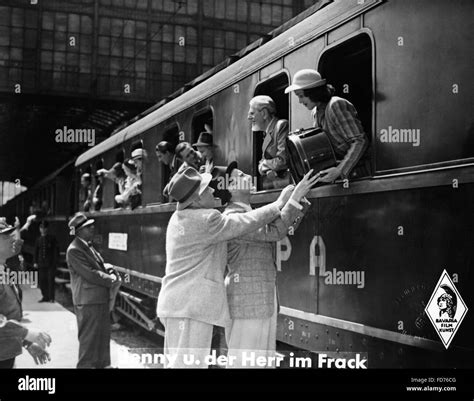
(446,309)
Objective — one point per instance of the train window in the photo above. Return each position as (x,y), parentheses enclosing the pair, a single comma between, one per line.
(171,135)
(203,134)
(348,67)
(138,155)
(202,122)
(119,158)
(97,198)
(269,162)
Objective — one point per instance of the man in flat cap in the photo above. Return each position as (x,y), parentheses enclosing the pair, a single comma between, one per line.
(92,282)
(13,335)
(193,295)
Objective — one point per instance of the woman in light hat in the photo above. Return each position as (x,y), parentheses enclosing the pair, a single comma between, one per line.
(337,117)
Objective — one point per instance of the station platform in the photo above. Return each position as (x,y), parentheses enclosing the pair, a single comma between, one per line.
(61,325)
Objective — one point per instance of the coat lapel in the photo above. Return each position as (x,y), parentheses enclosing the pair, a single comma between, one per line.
(269,134)
(88,251)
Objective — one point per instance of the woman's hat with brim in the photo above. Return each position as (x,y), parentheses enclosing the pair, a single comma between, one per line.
(306,79)
(186,186)
(138,153)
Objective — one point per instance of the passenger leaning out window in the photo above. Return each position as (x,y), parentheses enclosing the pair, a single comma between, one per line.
(115,174)
(338,118)
(132,196)
(272,167)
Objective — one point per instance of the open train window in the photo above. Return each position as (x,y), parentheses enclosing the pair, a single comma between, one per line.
(275,88)
(138,156)
(202,122)
(97,199)
(348,67)
(170,135)
(119,158)
(85,185)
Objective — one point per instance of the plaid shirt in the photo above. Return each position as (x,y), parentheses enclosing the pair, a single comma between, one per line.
(339,120)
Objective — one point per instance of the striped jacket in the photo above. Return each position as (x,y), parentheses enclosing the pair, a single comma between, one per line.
(339,120)
(251,270)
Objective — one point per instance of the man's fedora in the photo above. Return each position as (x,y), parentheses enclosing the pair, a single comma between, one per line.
(186,186)
(205,139)
(80,221)
(305,79)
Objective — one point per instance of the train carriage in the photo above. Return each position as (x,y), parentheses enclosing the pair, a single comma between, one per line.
(357,274)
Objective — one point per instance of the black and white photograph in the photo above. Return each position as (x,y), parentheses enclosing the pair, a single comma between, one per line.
(236,199)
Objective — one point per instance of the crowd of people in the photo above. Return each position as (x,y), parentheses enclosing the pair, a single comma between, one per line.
(220,266)
(336,116)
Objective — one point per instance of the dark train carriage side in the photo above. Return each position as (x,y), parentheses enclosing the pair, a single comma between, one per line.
(392,234)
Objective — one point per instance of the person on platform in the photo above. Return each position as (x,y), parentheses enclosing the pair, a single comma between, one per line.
(193,297)
(273,165)
(86,192)
(13,334)
(338,118)
(190,158)
(251,272)
(139,156)
(46,259)
(165,154)
(92,282)
(205,147)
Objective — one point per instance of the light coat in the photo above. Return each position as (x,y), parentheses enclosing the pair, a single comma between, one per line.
(196,256)
(274,156)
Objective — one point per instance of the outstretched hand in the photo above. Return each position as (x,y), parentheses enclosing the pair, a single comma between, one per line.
(304,186)
(40,356)
(41,338)
(285,195)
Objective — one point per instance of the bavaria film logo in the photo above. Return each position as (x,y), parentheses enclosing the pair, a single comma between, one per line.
(446,309)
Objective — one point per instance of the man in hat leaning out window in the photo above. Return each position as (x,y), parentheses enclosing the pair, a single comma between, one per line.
(92,282)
